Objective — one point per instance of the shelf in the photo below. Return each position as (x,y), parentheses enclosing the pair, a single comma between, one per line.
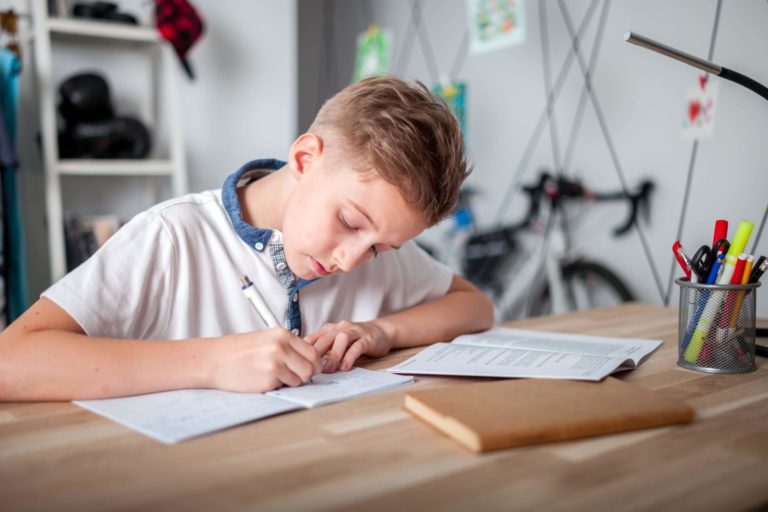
(96,167)
(84,28)
(60,43)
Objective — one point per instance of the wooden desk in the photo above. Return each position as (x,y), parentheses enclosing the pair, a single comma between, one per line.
(368,454)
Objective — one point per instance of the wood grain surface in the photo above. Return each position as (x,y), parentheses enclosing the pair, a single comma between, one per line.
(369,454)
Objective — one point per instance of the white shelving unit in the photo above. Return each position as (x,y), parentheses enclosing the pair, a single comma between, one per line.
(48,33)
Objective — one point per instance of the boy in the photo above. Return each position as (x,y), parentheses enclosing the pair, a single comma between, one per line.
(325,237)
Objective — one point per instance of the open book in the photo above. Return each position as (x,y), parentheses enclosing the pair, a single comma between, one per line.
(173,416)
(519,353)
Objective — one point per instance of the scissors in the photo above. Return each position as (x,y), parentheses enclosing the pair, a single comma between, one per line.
(704,258)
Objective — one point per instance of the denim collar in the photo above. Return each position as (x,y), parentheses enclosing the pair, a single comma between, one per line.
(251,235)
(256,238)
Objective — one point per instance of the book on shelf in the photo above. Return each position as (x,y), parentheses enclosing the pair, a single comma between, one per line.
(503,414)
(174,416)
(505,352)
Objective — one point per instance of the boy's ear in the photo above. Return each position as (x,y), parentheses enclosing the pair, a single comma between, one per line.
(305,151)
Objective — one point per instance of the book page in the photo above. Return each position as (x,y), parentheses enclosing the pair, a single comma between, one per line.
(488,361)
(624,348)
(333,387)
(173,416)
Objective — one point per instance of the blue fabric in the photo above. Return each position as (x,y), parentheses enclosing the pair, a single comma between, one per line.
(259,238)
(10,69)
(16,281)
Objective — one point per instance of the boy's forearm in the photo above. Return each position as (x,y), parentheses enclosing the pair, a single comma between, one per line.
(61,365)
(458,312)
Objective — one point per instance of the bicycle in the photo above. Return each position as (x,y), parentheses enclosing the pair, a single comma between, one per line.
(558,279)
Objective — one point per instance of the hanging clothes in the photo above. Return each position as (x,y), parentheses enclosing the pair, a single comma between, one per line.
(13,235)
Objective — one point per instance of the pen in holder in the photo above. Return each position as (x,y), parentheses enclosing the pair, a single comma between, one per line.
(717,327)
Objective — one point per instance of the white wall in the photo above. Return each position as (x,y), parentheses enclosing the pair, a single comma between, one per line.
(243,103)
(241,106)
(641,95)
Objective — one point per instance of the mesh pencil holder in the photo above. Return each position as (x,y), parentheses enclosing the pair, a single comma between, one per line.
(717,327)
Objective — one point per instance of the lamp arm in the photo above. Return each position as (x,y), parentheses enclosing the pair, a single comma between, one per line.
(745,81)
(704,65)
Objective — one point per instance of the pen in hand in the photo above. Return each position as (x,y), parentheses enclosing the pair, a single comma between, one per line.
(257,301)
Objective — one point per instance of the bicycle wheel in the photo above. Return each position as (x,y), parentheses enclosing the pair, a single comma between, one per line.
(588,285)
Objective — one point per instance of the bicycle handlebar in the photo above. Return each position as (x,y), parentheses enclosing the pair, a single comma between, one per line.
(559,189)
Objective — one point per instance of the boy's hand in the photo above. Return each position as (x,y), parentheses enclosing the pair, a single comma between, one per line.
(342,343)
(263,360)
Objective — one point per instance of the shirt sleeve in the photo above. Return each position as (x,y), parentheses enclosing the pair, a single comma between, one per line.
(416,278)
(119,292)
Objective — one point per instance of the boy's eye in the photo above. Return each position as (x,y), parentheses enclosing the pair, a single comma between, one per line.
(346,224)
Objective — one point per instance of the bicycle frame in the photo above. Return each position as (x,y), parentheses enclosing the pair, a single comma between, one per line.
(527,283)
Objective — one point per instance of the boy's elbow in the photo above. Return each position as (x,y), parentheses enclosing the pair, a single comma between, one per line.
(6,367)
(486,311)
(14,384)
(476,303)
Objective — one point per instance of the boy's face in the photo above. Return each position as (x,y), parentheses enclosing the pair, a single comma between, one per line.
(336,219)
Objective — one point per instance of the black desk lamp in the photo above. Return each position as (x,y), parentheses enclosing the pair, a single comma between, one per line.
(696,62)
(715,69)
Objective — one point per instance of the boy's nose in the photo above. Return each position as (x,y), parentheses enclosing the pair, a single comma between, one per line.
(349,256)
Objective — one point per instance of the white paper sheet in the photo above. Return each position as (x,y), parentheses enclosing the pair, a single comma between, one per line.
(173,416)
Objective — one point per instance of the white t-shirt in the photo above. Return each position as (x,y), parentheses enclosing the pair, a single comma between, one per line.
(173,272)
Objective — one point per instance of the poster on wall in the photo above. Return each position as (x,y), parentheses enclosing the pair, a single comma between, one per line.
(454,95)
(374,53)
(700,104)
(495,24)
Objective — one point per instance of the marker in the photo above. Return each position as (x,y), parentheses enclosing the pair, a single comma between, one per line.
(759,269)
(725,316)
(715,272)
(256,300)
(721,231)
(747,270)
(740,294)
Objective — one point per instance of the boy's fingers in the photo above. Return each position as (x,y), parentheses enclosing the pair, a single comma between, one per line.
(287,376)
(334,357)
(355,351)
(325,342)
(300,367)
(307,352)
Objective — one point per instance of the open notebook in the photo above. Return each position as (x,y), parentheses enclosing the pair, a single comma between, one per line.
(173,416)
(506,352)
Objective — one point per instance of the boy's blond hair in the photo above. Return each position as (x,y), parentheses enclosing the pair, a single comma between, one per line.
(403,133)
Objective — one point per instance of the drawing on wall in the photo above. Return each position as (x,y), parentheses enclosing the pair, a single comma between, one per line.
(700,104)
(454,95)
(495,24)
(374,53)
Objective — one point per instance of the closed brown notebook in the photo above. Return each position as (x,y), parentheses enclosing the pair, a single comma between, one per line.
(503,414)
